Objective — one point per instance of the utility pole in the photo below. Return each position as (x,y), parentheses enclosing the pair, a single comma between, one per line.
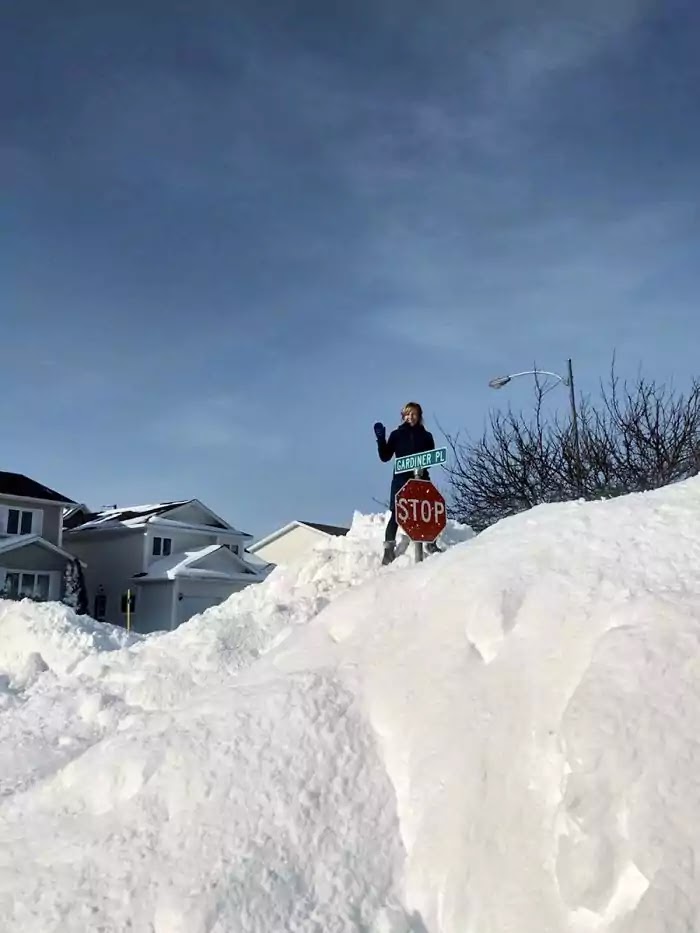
(567,380)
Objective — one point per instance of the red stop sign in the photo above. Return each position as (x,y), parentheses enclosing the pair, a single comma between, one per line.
(420,510)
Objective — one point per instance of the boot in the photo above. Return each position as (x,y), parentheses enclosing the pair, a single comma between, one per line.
(389,552)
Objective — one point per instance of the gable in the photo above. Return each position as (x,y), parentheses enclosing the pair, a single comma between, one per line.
(221,560)
(17,550)
(32,557)
(194,513)
(288,543)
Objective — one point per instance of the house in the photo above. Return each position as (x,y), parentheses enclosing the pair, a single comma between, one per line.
(292,541)
(32,558)
(168,561)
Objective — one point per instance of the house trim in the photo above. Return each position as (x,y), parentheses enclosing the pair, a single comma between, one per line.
(146,542)
(217,575)
(228,531)
(175,592)
(37,500)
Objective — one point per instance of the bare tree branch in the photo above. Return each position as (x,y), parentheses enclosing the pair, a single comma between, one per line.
(639,437)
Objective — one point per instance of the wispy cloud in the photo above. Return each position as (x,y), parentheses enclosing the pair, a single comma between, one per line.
(564,275)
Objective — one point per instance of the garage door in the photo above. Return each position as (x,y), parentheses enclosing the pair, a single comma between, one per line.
(191,604)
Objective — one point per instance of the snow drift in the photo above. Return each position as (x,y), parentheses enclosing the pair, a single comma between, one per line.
(501,739)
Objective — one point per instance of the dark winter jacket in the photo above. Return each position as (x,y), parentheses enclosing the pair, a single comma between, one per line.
(405,440)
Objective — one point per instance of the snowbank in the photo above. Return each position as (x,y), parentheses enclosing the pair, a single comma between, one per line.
(501,739)
(50,636)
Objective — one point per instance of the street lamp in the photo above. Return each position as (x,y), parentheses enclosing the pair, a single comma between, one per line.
(568,381)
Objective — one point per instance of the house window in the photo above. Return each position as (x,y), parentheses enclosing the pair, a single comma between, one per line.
(21,583)
(162,547)
(19,522)
(101,607)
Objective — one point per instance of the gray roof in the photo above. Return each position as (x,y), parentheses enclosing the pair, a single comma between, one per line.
(336,530)
(23,487)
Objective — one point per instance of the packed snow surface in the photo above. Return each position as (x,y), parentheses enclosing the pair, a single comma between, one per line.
(503,739)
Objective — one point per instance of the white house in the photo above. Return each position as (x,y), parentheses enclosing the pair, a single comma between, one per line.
(174,558)
(292,541)
(32,558)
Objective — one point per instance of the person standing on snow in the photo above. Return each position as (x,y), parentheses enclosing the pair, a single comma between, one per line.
(411,437)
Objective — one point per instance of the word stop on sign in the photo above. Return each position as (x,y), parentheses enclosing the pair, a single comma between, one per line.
(420,510)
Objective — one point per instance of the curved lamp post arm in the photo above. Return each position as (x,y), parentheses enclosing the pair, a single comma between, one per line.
(568,381)
(501,381)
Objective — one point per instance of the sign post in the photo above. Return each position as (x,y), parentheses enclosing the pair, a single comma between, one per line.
(421,512)
(128,605)
(418,545)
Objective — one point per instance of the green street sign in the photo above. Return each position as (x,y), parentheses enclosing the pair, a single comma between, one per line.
(421,461)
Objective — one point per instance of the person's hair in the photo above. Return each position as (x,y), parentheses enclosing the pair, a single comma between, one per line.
(416,407)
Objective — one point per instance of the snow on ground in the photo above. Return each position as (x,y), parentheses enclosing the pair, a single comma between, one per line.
(501,740)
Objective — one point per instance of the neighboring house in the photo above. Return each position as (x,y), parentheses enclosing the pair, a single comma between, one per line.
(176,559)
(293,541)
(32,558)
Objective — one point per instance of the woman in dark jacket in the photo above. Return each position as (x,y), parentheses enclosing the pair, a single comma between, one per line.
(411,437)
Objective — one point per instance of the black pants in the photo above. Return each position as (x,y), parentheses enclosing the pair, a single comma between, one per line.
(398,481)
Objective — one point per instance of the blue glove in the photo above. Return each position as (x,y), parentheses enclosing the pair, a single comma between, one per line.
(379,431)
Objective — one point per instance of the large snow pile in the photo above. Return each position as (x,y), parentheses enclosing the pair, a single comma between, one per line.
(231,636)
(501,740)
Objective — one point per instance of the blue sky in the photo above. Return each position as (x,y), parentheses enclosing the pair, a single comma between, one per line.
(236,234)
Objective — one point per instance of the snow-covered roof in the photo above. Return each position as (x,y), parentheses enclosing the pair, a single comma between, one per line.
(137,516)
(182,565)
(143,509)
(129,516)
